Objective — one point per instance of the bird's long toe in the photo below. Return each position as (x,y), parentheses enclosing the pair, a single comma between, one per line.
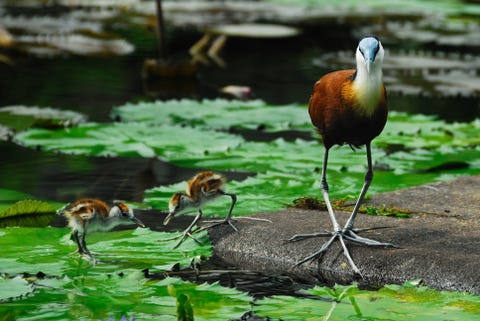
(355,238)
(318,253)
(215,223)
(300,237)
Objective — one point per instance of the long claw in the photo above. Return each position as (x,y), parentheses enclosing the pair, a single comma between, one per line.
(182,237)
(229,221)
(318,253)
(352,236)
(348,235)
(349,258)
(299,237)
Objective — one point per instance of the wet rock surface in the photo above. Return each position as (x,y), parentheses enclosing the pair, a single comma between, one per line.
(439,244)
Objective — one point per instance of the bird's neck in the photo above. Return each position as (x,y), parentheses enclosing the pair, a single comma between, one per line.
(368,88)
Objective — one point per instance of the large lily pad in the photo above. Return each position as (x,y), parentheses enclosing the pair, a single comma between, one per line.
(48,250)
(23,117)
(21,209)
(392,302)
(254,30)
(27,213)
(77,31)
(71,287)
(272,190)
(131,139)
(125,294)
(216,114)
(420,131)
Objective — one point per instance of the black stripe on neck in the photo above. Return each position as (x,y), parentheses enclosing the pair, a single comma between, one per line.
(354,76)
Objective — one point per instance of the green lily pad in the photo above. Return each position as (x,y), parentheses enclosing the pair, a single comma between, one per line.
(216,114)
(32,213)
(393,302)
(48,250)
(412,150)
(14,288)
(23,117)
(265,192)
(420,131)
(273,190)
(131,139)
(127,293)
(5,133)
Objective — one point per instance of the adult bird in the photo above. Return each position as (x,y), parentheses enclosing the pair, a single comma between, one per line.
(349,107)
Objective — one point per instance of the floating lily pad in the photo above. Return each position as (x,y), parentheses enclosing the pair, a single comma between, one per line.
(5,133)
(32,213)
(216,114)
(50,251)
(127,294)
(273,190)
(419,131)
(254,30)
(78,32)
(393,302)
(131,139)
(77,44)
(14,288)
(112,288)
(23,117)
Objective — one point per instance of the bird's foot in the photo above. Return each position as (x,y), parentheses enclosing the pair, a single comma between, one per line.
(229,221)
(89,256)
(187,233)
(341,235)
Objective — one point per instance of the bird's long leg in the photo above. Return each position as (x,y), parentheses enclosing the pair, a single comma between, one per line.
(86,251)
(319,252)
(228,219)
(366,185)
(188,231)
(79,238)
(336,226)
(333,219)
(349,231)
(74,236)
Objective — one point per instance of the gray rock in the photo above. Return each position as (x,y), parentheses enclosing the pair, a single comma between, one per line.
(439,244)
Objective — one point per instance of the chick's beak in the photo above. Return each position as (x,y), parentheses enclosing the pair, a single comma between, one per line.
(168,218)
(138,222)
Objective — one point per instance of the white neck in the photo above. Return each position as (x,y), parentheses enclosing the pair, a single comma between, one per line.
(368,83)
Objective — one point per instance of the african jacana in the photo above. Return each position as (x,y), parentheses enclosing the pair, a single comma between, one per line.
(349,107)
(202,188)
(95,215)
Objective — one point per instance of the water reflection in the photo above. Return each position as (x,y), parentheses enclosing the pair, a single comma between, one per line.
(64,178)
